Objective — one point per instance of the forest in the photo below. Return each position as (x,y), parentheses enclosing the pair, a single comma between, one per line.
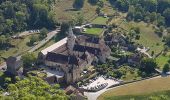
(19,15)
(152,11)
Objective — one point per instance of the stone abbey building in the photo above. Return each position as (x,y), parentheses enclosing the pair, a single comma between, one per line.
(71,55)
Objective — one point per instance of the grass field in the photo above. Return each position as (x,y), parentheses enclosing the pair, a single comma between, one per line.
(65,11)
(162,60)
(163,95)
(100,20)
(138,88)
(21,46)
(147,37)
(94,31)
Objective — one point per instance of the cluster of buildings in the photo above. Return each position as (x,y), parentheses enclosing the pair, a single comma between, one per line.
(71,56)
(68,59)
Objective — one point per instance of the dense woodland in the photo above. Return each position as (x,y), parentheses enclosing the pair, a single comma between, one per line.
(18,15)
(154,11)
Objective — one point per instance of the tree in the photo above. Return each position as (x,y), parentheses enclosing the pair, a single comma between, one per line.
(43,33)
(122,5)
(148,65)
(166,68)
(167,40)
(33,88)
(93,2)
(64,28)
(79,19)
(29,60)
(150,5)
(19,15)
(166,14)
(33,39)
(78,4)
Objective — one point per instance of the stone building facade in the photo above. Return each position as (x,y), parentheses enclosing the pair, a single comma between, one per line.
(74,54)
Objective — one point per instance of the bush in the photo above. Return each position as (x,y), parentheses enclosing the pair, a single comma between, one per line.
(166,68)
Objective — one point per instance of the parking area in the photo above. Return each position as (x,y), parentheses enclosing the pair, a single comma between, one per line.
(96,84)
(99,83)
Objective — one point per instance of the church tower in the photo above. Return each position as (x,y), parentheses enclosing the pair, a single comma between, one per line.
(70,40)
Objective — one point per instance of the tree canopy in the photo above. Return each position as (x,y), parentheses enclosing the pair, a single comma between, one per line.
(154,11)
(18,15)
(33,88)
(148,65)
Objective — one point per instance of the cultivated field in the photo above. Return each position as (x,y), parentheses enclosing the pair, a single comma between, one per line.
(138,88)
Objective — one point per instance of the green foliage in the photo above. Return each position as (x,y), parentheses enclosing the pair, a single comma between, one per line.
(78,4)
(43,33)
(79,19)
(3,41)
(166,68)
(18,15)
(166,14)
(33,39)
(148,65)
(167,40)
(122,5)
(29,60)
(33,88)
(154,11)
(93,2)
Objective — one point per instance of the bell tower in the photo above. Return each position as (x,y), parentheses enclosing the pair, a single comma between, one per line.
(70,40)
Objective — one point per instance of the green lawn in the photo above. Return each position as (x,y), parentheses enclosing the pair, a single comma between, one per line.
(162,60)
(100,20)
(139,88)
(147,37)
(94,31)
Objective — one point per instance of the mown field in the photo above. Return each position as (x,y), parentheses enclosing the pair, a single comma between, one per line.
(163,95)
(94,31)
(137,89)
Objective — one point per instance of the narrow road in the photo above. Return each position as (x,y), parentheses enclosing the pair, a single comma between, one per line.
(50,35)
